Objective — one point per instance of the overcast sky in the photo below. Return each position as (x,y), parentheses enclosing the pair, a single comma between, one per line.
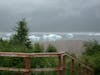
(51,15)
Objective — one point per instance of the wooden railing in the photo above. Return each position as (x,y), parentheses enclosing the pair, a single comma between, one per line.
(82,69)
(61,69)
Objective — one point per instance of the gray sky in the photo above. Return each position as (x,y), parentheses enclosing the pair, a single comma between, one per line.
(51,15)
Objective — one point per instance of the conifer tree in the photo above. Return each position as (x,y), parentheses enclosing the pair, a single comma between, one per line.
(38,48)
(21,35)
(51,48)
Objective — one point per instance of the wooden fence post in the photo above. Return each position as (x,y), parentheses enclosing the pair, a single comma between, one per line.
(92,72)
(27,65)
(59,64)
(73,67)
(79,69)
(89,72)
(84,70)
(64,65)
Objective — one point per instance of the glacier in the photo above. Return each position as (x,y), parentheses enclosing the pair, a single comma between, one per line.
(53,36)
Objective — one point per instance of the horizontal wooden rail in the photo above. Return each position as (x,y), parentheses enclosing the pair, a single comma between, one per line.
(32,70)
(13,69)
(46,69)
(61,68)
(14,54)
(28,70)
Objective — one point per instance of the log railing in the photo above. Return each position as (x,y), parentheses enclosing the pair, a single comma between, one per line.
(61,69)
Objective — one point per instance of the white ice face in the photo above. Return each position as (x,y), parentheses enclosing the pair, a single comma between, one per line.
(52,37)
(94,34)
(34,38)
(8,34)
(69,35)
(5,36)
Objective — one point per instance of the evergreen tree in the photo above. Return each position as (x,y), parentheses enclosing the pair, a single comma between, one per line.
(21,35)
(51,48)
(38,48)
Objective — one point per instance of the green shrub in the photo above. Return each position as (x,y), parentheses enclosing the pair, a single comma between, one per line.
(92,55)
